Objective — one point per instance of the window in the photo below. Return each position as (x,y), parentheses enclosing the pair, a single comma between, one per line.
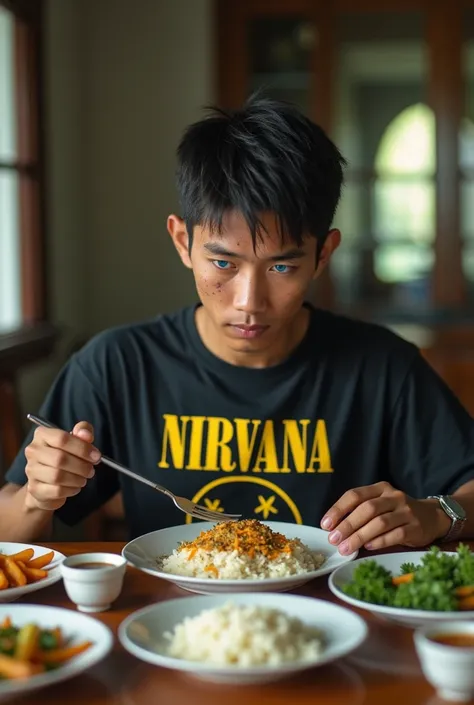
(22,295)
(404,197)
(10,291)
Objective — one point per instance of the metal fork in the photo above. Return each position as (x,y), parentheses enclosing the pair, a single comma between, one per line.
(185,505)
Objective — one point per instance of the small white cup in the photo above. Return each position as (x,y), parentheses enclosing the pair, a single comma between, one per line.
(449,669)
(93,588)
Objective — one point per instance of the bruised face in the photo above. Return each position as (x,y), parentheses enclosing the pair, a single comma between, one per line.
(252,298)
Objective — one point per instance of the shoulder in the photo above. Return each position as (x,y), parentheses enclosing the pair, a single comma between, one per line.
(356,340)
(363,332)
(134,343)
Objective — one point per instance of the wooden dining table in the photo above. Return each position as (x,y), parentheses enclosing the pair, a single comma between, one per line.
(383,671)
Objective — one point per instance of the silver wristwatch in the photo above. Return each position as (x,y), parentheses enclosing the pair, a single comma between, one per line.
(454,511)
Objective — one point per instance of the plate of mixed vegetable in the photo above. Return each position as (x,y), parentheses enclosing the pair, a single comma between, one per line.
(412,587)
(41,645)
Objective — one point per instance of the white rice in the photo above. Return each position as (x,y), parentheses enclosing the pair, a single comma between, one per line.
(244,636)
(234,565)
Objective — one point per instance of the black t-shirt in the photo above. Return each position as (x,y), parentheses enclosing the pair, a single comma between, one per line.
(353,405)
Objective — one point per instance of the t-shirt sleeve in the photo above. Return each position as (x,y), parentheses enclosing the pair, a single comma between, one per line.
(71,399)
(431,436)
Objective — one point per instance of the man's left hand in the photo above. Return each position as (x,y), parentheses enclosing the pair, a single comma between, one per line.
(378,516)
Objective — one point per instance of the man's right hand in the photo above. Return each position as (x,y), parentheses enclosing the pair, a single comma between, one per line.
(59,465)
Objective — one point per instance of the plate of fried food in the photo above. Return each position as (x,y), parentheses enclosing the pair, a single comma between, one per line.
(25,568)
(411,588)
(42,645)
(244,556)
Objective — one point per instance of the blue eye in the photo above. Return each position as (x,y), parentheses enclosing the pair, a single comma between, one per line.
(282,268)
(221,263)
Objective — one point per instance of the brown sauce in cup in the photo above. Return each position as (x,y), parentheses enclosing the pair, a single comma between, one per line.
(92,566)
(463,640)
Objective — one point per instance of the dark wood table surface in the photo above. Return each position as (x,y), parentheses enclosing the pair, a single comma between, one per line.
(384,671)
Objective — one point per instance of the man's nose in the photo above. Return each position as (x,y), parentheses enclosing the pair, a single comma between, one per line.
(250,294)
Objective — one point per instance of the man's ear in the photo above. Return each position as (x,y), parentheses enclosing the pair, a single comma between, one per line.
(179,234)
(331,244)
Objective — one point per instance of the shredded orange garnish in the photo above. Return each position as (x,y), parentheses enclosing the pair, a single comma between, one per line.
(212,569)
(192,553)
(247,536)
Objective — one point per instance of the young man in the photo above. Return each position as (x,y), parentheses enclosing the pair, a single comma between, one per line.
(252,401)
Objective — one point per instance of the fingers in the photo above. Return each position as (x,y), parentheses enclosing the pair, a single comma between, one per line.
(59,464)
(44,492)
(394,522)
(84,430)
(69,443)
(363,515)
(349,501)
(401,535)
(53,475)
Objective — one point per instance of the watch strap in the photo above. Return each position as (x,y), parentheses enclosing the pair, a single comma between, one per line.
(457,522)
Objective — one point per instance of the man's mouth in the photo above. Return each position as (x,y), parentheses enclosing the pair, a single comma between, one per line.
(250,332)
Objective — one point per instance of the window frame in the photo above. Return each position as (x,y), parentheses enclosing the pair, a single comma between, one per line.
(30,162)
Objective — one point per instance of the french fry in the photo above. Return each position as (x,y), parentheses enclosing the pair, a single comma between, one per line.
(24,555)
(62,654)
(21,568)
(7,623)
(40,561)
(32,574)
(3,581)
(15,575)
(13,668)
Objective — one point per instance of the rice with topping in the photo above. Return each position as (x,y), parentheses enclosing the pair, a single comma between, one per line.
(244,636)
(245,549)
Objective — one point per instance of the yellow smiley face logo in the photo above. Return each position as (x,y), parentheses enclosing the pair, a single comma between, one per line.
(266,504)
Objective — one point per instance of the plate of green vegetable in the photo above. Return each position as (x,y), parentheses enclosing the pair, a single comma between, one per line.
(411,588)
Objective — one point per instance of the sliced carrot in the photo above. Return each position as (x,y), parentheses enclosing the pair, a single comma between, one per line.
(57,633)
(467,603)
(13,668)
(465,591)
(7,623)
(192,553)
(401,579)
(63,654)
(41,561)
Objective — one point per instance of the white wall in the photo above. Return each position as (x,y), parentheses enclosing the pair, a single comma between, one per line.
(146,74)
(123,78)
(64,181)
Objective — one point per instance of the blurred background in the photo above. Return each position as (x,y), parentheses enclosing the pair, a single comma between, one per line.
(94,95)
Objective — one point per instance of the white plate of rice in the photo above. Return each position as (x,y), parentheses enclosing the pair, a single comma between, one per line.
(161,553)
(242,638)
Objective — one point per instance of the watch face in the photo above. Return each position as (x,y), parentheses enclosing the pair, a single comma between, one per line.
(455,507)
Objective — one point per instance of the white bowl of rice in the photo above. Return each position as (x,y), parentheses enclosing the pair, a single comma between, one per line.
(242,638)
(244,556)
